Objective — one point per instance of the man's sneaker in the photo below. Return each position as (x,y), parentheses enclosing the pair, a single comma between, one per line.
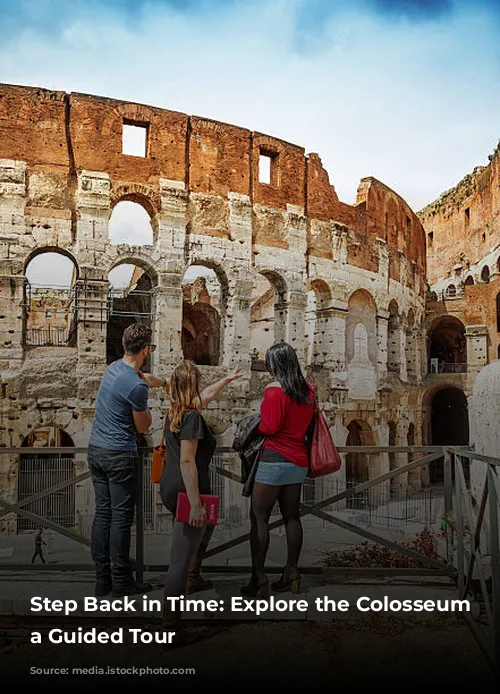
(102,588)
(131,589)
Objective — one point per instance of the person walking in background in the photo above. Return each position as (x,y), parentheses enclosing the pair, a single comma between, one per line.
(190,445)
(121,412)
(38,546)
(286,414)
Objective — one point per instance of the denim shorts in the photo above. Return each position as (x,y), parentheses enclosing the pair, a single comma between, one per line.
(277,474)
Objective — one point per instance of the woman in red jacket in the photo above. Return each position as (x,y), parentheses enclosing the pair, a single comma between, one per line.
(286,414)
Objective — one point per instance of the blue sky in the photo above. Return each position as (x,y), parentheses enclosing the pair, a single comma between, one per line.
(404,90)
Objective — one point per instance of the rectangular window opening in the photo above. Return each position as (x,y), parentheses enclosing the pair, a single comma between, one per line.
(467,216)
(430,237)
(134,138)
(268,168)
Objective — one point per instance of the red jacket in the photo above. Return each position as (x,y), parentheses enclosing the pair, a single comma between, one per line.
(285,422)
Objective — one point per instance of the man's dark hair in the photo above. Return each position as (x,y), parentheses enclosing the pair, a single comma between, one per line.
(136,337)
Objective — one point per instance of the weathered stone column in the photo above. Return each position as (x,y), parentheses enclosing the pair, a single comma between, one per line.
(295,328)
(403,373)
(93,208)
(382,335)
(12,232)
(237,329)
(335,360)
(167,322)
(477,346)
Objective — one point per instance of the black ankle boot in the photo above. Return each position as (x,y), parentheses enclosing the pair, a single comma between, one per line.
(289,580)
(258,586)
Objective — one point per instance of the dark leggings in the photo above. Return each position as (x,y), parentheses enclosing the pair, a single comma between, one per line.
(264,496)
(187,542)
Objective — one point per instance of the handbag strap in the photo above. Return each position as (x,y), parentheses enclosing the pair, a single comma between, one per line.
(163,431)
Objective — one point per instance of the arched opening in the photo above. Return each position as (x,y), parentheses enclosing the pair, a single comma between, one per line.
(485,274)
(130,301)
(469,281)
(203,313)
(130,223)
(267,315)
(447,346)
(318,344)
(498,312)
(39,471)
(393,339)
(49,300)
(361,309)
(449,426)
(358,464)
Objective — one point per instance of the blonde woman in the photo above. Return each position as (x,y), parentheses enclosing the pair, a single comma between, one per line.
(190,446)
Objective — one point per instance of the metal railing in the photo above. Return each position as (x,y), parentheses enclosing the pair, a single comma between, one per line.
(49,337)
(445,367)
(471,535)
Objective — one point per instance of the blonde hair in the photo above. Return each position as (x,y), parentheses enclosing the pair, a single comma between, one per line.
(184,393)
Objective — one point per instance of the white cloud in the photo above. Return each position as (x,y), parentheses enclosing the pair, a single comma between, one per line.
(416,105)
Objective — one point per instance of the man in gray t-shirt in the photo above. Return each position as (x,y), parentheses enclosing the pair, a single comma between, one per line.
(121,412)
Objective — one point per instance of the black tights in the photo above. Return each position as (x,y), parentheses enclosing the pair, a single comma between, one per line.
(264,497)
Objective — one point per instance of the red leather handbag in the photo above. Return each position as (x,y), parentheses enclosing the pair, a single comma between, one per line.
(324,457)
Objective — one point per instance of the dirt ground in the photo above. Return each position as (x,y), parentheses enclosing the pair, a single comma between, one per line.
(370,650)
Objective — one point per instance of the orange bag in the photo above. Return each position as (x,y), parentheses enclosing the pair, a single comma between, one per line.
(159,458)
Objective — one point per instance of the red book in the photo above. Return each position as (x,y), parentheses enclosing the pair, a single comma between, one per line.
(209,501)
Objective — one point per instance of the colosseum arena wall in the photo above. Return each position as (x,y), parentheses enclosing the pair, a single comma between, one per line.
(62,172)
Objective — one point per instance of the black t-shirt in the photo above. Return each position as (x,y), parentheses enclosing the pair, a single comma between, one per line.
(193,426)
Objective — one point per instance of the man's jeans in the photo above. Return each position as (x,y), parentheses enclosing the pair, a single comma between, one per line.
(114,475)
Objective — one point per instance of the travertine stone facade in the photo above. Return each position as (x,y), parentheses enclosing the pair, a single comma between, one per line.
(62,171)
(463,253)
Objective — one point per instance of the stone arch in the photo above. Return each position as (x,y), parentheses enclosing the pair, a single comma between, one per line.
(447,345)
(485,274)
(469,281)
(449,423)
(317,323)
(40,470)
(49,313)
(361,308)
(143,195)
(451,291)
(358,465)
(204,311)
(52,249)
(130,299)
(268,313)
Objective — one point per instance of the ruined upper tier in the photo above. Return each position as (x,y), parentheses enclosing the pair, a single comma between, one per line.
(59,133)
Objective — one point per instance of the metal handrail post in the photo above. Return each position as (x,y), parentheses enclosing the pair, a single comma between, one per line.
(139,519)
(495,559)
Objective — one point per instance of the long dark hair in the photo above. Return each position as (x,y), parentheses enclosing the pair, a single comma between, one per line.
(283,365)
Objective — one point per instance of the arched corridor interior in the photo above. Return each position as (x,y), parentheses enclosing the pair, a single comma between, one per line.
(449,426)
(130,301)
(447,346)
(203,310)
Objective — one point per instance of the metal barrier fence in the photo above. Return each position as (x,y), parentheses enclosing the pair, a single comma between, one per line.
(472,535)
